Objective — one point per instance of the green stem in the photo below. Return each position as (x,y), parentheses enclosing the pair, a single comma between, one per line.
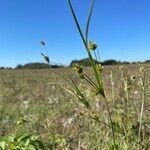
(90,81)
(111,121)
(85,41)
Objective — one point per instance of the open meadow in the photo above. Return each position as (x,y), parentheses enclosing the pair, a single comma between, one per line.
(40,103)
(89,105)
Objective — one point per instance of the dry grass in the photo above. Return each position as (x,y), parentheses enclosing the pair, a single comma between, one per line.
(33,101)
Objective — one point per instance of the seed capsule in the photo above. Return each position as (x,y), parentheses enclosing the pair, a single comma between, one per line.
(78,68)
(45,57)
(92,46)
(42,42)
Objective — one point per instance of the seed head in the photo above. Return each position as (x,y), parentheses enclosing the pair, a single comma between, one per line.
(78,68)
(121,68)
(99,67)
(46,58)
(133,77)
(42,42)
(99,91)
(94,116)
(92,46)
(81,113)
(141,70)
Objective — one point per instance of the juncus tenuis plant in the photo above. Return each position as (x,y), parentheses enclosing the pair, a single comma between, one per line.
(121,131)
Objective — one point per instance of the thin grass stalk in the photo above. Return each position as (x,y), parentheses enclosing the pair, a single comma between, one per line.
(112,86)
(142,106)
(126,97)
(86,39)
(76,21)
(95,56)
(90,81)
(88,20)
(79,93)
(98,55)
(111,121)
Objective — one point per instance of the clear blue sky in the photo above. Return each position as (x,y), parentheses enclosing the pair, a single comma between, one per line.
(121,28)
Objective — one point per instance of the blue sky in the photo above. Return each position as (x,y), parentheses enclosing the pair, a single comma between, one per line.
(121,28)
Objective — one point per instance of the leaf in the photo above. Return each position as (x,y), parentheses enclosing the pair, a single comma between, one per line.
(77,23)
(31,147)
(88,20)
(2,145)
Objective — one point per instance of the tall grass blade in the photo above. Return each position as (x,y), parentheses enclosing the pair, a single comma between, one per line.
(76,21)
(80,95)
(88,20)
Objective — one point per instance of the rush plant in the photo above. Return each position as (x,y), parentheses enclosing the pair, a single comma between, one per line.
(98,86)
(118,121)
(91,47)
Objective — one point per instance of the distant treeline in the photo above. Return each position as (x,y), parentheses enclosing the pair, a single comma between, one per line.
(8,68)
(86,62)
(37,65)
(83,62)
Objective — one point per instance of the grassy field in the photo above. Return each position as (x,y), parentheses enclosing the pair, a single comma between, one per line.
(76,108)
(40,102)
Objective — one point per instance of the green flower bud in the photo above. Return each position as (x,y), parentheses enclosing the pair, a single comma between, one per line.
(99,67)
(78,68)
(92,46)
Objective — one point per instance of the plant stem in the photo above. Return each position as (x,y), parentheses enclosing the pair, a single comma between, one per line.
(112,86)
(111,121)
(142,106)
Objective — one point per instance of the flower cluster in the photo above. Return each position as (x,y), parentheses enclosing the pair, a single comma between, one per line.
(92,46)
